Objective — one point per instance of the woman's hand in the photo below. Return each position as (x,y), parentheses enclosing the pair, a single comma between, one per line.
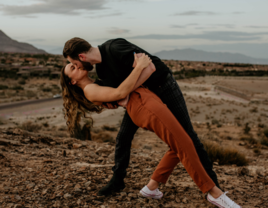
(143,61)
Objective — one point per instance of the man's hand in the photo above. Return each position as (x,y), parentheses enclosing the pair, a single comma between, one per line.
(110,105)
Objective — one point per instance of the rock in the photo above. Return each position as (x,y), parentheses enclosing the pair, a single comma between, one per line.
(101,150)
(67,196)
(243,171)
(17,197)
(147,147)
(78,201)
(87,184)
(123,193)
(77,186)
(84,164)
(30,185)
(78,190)
(77,146)
(185,200)
(132,195)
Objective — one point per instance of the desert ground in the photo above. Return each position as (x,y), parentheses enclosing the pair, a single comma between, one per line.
(42,166)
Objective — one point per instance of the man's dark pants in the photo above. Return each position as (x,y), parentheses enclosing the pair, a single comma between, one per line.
(170,93)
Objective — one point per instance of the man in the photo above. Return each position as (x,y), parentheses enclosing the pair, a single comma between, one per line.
(114,62)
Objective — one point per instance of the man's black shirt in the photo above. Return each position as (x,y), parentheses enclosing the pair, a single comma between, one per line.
(117,60)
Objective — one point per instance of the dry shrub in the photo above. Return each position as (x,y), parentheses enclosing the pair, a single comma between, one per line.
(224,156)
(82,133)
(265,131)
(264,141)
(109,128)
(249,139)
(1,121)
(257,151)
(30,126)
(103,137)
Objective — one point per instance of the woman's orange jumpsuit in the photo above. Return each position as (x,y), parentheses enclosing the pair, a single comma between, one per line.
(148,111)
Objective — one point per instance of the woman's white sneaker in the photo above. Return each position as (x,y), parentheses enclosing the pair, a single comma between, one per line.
(222,201)
(155,194)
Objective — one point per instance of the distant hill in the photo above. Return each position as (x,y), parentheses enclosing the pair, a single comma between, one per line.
(12,46)
(198,55)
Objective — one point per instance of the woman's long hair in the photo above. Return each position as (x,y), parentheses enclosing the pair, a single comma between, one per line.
(75,103)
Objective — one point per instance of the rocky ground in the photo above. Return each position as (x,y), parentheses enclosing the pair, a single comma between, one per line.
(49,171)
(47,168)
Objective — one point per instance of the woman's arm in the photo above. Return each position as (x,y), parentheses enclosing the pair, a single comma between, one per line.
(96,93)
(145,74)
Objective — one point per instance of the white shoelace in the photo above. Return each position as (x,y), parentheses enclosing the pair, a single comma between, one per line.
(227,200)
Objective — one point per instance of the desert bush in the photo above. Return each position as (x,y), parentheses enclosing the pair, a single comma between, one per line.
(30,94)
(109,128)
(246,129)
(103,137)
(265,131)
(22,82)
(257,151)
(45,124)
(46,89)
(30,126)
(17,88)
(224,156)
(1,121)
(264,141)
(249,139)
(3,87)
(82,133)
(62,128)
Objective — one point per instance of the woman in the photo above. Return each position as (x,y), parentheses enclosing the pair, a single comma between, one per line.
(147,111)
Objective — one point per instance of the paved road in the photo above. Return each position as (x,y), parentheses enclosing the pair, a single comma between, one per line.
(30,107)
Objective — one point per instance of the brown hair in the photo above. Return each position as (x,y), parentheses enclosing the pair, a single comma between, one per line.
(74,47)
(75,103)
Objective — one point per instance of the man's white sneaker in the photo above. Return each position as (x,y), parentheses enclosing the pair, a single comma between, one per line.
(155,194)
(222,201)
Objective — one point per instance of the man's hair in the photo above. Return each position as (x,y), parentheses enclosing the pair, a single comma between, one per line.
(74,47)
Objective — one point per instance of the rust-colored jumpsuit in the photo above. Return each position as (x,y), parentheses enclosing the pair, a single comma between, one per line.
(148,111)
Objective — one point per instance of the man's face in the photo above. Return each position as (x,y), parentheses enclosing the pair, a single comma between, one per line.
(80,64)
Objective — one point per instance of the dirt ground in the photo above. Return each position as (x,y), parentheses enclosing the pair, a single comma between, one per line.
(48,168)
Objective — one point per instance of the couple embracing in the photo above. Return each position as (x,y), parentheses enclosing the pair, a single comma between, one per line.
(141,83)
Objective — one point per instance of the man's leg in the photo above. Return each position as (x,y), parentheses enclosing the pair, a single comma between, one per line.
(122,156)
(172,96)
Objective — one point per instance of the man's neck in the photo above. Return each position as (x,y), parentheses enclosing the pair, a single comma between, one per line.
(94,56)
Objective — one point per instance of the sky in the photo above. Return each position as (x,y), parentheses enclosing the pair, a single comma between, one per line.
(237,26)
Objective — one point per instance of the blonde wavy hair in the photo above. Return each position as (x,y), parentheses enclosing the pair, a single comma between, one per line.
(75,103)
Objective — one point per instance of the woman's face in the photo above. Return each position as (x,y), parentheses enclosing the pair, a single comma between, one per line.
(74,73)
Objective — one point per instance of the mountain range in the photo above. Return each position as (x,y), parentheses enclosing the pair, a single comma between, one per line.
(12,46)
(199,55)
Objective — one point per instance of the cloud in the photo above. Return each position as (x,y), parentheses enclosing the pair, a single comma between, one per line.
(37,40)
(67,7)
(194,13)
(106,15)
(238,12)
(208,35)
(117,31)
(183,26)
(255,26)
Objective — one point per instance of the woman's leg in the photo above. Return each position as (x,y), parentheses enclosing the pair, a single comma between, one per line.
(147,111)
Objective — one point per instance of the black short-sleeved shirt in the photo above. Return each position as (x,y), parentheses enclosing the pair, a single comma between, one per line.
(117,59)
